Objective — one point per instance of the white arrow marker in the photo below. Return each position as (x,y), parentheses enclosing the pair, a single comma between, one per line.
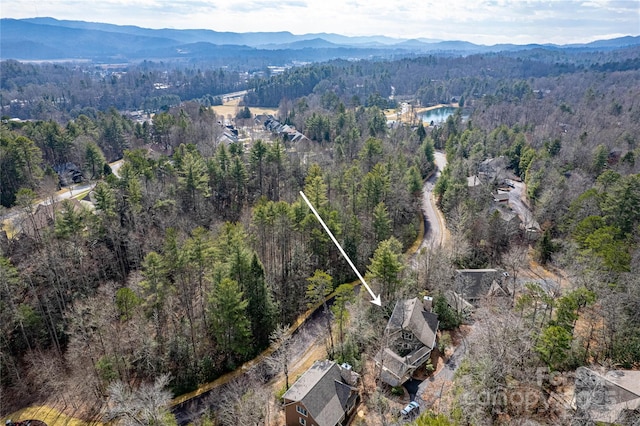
(376,299)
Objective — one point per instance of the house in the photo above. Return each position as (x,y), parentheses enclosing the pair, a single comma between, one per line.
(325,395)
(411,333)
(511,218)
(610,398)
(229,138)
(474,284)
(283,130)
(68,173)
(492,169)
(260,119)
(457,302)
(500,197)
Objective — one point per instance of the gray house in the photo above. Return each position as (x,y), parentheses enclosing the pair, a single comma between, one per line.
(325,395)
(472,285)
(411,333)
(609,398)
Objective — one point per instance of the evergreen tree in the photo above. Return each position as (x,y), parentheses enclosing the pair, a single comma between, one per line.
(156,289)
(193,179)
(381,223)
(421,132)
(386,266)
(553,346)
(257,158)
(229,322)
(545,247)
(413,180)
(344,296)
(94,159)
(260,307)
(448,317)
(105,200)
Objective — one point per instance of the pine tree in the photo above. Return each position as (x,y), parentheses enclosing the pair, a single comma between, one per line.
(545,247)
(229,322)
(260,307)
(94,159)
(344,296)
(381,223)
(386,266)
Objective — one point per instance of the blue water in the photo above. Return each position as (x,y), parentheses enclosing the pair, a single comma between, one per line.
(438,115)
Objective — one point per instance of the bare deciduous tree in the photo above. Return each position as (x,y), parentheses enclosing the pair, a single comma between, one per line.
(279,360)
(146,405)
(244,402)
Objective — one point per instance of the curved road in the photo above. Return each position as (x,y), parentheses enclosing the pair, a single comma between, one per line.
(15,216)
(435,231)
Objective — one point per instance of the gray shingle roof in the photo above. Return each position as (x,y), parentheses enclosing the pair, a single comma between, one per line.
(473,284)
(608,398)
(323,393)
(407,315)
(410,315)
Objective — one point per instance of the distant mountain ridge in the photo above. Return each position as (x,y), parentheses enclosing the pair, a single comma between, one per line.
(47,38)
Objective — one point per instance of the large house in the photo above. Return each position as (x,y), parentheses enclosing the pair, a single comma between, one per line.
(411,336)
(610,398)
(325,395)
(472,285)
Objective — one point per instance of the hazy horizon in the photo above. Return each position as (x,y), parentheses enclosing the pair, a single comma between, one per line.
(483,22)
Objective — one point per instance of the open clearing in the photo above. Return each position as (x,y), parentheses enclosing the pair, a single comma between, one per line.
(232,107)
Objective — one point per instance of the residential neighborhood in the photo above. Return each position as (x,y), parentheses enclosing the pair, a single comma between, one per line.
(288,226)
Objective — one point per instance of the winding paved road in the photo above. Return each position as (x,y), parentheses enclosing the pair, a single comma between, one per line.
(435,230)
(14,217)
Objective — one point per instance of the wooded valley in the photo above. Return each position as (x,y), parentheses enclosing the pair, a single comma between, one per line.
(199,249)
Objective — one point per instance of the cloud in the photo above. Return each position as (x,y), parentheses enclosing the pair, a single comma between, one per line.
(482,21)
(262,5)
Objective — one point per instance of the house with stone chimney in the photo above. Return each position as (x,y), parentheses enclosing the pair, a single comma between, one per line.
(411,336)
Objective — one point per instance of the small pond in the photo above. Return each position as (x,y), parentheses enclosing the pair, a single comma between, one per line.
(437,115)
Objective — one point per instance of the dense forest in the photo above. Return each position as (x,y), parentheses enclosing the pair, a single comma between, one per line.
(197,250)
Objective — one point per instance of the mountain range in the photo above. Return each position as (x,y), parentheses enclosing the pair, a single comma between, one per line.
(49,39)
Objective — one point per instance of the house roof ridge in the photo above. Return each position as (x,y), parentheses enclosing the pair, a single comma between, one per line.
(319,378)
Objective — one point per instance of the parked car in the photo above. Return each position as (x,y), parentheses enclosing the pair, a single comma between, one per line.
(411,410)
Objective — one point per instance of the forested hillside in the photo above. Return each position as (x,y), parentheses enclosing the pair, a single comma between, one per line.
(198,249)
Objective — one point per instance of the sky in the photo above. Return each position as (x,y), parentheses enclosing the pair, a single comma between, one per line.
(478,21)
